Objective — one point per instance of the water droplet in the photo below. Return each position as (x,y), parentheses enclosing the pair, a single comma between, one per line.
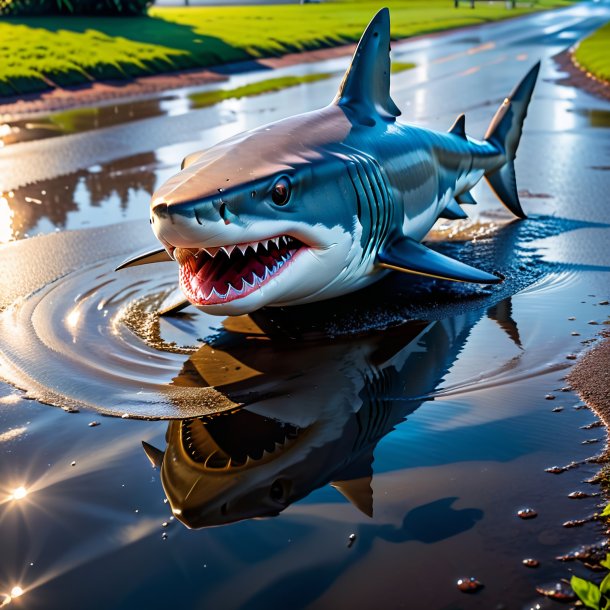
(164,536)
(125,416)
(469,585)
(93,424)
(591,441)
(527,513)
(560,591)
(575,334)
(530,563)
(550,397)
(571,318)
(73,464)
(351,539)
(164,524)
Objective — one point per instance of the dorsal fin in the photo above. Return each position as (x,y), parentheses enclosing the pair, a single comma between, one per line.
(365,89)
(359,492)
(459,127)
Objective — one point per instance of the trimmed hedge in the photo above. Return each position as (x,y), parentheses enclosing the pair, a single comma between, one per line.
(73,7)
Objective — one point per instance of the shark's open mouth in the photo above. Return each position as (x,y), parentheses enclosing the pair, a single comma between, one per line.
(209,276)
(234,440)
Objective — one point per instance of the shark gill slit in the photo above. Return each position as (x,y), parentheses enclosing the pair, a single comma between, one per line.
(376,209)
(371,207)
(386,201)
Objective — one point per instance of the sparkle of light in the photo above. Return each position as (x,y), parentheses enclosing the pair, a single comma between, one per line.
(18,494)
(16,591)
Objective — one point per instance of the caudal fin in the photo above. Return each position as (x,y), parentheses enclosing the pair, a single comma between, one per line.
(504,132)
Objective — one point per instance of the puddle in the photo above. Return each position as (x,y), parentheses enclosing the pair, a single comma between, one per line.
(595,117)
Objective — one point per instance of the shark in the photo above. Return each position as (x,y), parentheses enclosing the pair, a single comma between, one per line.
(319,412)
(327,202)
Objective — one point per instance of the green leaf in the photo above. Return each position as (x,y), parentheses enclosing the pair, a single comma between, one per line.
(587,592)
(606,511)
(604,586)
(606,562)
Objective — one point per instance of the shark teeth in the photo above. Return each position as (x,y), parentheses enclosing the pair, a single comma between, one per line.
(210,440)
(211,275)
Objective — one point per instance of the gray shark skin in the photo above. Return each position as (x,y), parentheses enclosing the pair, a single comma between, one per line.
(325,203)
(326,408)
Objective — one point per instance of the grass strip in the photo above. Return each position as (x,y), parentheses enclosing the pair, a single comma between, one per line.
(593,53)
(209,98)
(37,53)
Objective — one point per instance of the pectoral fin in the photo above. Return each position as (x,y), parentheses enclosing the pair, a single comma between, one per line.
(154,256)
(174,308)
(409,256)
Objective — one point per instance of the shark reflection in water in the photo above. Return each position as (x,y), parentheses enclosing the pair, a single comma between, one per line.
(316,415)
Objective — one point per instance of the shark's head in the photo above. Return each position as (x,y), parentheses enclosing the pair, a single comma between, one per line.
(270,216)
(265,218)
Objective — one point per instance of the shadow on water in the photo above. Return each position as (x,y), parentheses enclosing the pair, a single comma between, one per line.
(319,412)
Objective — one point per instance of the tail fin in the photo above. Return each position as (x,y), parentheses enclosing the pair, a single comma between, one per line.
(504,132)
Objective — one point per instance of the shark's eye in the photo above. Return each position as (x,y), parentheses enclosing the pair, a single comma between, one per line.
(281,192)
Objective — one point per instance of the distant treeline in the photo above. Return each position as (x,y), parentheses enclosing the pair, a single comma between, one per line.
(74,7)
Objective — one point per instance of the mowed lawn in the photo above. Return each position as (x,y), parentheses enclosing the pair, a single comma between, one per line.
(37,53)
(593,53)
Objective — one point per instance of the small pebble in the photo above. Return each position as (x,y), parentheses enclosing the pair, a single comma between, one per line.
(73,464)
(575,334)
(566,388)
(557,410)
(590,441)
(70,409)
(580,407)
(92,424)
(351,540)
(578,495)
(164,536)
(604,303)
(571,357)
(572,318)
(469,585)
(560,591)
(555,469)
(596,424)
(593,322)
(550,397)
(530,563)
(125,416)
(575,523)
(164,524)
(527,513)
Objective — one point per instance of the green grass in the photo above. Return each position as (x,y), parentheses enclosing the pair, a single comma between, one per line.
(209,98)
(41,52)
(593,53)
(401,66)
